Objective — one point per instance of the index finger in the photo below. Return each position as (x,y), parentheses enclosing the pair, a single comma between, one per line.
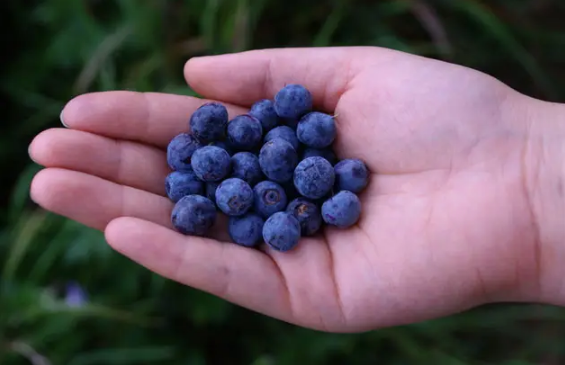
(152,118)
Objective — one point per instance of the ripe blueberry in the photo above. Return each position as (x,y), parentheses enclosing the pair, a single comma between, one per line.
(179,184)
(246,230)
(244,133)
(283,132)
(307,213)
(180,150)
(234,196)
(211,163)
(293,101)
(193,215)
(316,130)
(268,198)
(281,231)
(352,175)
(342,210)
(264,110)
(208,122)
(314,177)
(245,165)
(278,160)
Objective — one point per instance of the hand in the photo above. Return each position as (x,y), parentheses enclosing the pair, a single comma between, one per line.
(446,224)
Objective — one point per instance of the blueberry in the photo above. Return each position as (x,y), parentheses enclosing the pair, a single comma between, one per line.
(307,213)
(246,230)
(208,122)
(293,101)
(316,130)
(180,150)
(245,166)
(326,153)
(314,177)
(285,133)
(211,190)
(211,163)
(193,215)
(234,196)
(179,184)
(342,210)
(264,110)
(352,175)
(278,159)
(281,231)
(268,198)
(245,132)
(223,145)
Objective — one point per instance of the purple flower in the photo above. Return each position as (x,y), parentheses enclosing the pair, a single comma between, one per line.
(75,295)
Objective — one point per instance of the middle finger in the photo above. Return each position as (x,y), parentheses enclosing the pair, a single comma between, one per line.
(123,162)
(152,118)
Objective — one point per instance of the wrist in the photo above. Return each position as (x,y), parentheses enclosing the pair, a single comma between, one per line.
(544,184)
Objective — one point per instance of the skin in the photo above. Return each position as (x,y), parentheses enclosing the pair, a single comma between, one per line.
(464,205)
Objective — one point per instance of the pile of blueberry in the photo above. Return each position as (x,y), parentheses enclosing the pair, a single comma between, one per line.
(272,171)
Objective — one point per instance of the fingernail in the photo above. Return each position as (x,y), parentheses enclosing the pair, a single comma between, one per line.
(62,120)
(30,156)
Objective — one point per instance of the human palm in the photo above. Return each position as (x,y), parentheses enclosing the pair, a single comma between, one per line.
(445,224)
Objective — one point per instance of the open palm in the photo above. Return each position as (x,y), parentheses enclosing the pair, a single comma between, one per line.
(445,223)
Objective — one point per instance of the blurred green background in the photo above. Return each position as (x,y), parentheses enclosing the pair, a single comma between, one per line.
(56,49)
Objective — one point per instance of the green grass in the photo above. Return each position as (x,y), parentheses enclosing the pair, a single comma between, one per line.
(61,48)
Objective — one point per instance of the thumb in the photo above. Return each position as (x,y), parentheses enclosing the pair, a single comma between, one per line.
(243,78)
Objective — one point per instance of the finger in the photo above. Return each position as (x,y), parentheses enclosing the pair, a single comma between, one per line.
(93,201)
(241,275)
(126,163)
(246,77)
(152,118)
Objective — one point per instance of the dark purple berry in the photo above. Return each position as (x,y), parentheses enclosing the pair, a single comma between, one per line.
(293,101)
(307,213)
(211,163)
(268,198)
(342,210)
(264,110)
(281,231)
(316,130)
(180,150)
(179,184)
(234,197)
(244,133)
(193,215)
(278,160)
(246,230)
(352,175)
(283,132)
(208,122)
(314,177)
(245,165)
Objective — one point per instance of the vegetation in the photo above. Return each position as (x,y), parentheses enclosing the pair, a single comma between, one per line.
(57,49)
